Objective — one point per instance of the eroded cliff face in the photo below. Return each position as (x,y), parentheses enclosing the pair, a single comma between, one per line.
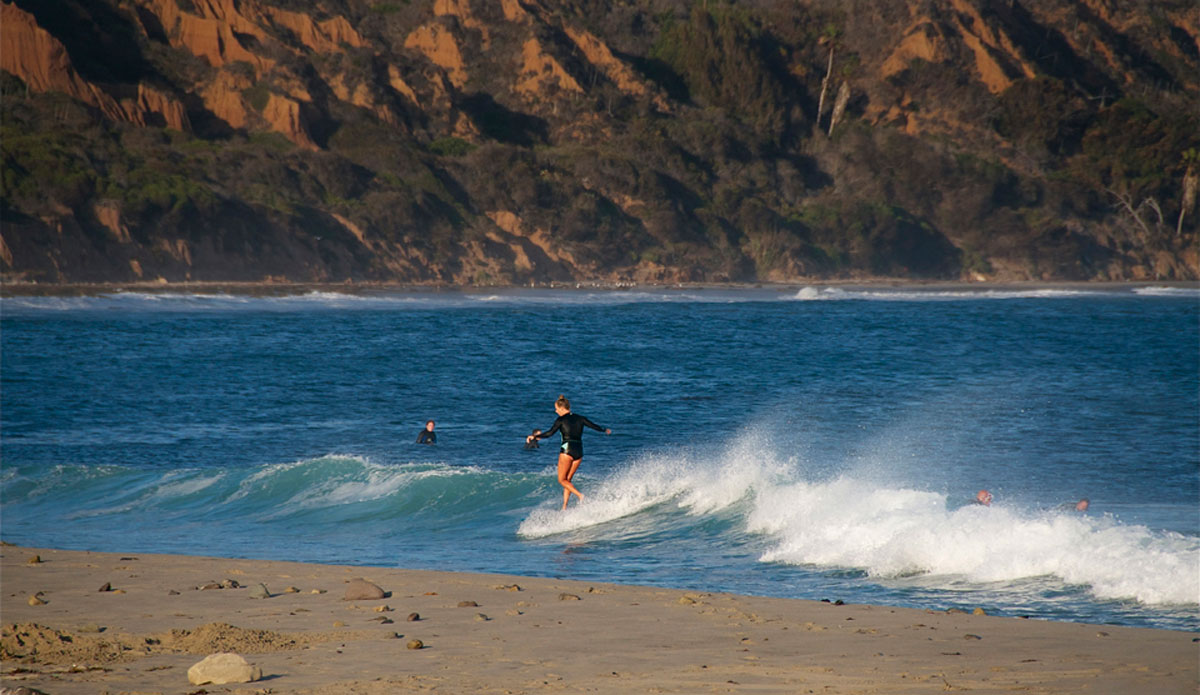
(520,141)
(43,63)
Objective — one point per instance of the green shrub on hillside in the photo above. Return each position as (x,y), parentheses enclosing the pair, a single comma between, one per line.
(146,191)
(38,168)
(450,146)
(722,56)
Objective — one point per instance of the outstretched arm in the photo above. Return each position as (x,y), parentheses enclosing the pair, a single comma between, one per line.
(547,433)
(594,426)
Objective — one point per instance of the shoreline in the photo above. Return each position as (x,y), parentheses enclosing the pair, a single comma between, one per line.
(137,622)
(279,289)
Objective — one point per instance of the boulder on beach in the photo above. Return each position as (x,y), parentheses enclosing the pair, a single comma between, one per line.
(362,590)
(223,668)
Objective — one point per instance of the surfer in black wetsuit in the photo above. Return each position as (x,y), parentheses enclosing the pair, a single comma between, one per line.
(570,426)
(427,435)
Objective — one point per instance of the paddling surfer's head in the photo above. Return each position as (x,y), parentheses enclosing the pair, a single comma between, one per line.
(983,497)
(562,406)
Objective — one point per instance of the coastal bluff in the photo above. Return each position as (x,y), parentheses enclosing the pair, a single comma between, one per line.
(522,142)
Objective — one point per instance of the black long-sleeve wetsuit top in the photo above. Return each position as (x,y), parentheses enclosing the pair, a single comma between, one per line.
(571,428)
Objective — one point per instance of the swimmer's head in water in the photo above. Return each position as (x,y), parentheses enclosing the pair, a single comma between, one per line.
(562,404)
(983,497)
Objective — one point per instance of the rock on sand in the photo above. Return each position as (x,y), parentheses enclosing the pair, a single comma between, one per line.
(219,669)
(362,590)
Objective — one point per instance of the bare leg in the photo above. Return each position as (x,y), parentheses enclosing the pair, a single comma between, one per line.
(566,470)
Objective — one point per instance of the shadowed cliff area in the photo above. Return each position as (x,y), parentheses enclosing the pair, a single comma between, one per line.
(522,141)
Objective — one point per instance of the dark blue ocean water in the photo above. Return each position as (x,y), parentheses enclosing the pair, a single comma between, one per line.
(820,443)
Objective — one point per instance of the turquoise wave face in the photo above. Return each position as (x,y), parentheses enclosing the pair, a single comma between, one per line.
(816,443)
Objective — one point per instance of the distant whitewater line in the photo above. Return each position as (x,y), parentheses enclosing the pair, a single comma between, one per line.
(909,295)
(400,300)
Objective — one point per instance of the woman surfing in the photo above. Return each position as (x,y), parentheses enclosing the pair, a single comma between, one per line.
(570,426)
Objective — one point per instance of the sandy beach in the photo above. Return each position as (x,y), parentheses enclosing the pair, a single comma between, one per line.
(84,622)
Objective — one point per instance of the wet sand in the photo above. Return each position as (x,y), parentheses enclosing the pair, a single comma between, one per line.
(135,623)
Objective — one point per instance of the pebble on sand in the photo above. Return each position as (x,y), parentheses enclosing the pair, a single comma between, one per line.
(568,597)
(362,590)
(36,600)
(35,560)
(415,644)
(107,587)
(223,668)
(467,604)
(413,617)
(260,591)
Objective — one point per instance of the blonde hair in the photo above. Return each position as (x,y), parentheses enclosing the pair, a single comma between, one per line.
(562,402)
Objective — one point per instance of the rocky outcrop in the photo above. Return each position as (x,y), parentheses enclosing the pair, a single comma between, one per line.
(439,46)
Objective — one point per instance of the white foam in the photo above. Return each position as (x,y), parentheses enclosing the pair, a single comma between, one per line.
(1193,292)
(884,529)
(899,532)
(932,295)
(682,481)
